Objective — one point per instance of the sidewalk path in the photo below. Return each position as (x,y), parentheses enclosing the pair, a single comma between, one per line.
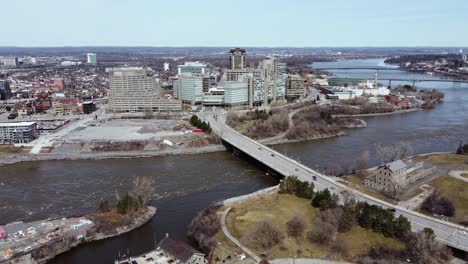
(233,239)
(458,174)
(306,261)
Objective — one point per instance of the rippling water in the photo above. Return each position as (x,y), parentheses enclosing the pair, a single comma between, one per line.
(187,184)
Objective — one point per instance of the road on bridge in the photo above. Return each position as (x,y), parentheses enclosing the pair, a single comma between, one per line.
(446,232)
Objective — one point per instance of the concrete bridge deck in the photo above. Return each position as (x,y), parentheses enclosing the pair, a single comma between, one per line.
(448,233)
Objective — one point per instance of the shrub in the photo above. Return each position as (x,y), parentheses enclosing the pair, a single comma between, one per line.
(321,233)
(265,236)
(104,206)
(438,204)
(296,226)
(204,227)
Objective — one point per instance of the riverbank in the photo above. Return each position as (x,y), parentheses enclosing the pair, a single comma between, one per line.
(39,242)
(6,159)
(397,112)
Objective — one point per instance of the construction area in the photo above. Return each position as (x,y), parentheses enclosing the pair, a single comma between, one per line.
(21,239)
(133,135)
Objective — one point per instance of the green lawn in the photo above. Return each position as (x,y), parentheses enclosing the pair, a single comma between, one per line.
(280,208)
(457,191)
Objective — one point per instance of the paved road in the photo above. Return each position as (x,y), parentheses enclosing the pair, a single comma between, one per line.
(457,174)
(305,261)
(233,239)
(448,233)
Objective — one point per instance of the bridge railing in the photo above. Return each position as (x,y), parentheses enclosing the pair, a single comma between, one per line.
(374,200)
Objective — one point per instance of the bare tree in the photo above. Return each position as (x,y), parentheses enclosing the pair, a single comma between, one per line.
(143,187)
(296,226)
(363,162)
(265,236)
(393,189)
(391,153)
(423,249)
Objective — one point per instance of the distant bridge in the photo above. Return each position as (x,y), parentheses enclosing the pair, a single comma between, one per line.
(422,80)
(359,68)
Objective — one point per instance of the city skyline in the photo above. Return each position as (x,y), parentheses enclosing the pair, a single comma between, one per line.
(297,23)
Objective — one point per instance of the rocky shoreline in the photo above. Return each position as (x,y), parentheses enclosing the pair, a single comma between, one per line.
(43,254)
(7,159)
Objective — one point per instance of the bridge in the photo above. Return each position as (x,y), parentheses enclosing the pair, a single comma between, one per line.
(446,232)
(378,68)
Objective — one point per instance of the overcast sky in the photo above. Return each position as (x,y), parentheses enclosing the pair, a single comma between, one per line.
(298,23)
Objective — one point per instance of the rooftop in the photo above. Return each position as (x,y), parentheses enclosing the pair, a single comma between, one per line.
(15,124)
(396,165)
(178,249)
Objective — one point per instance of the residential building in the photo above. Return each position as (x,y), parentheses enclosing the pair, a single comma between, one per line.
(20,132)
(5,90)
(236,92)
(91,58)
(134,90)
(237,59)
(10,62)
(57,108)
(295,87)
(396,175)
(168,251)
(192,67)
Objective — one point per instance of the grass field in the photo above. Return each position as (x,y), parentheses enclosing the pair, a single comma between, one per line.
(457,191)
(359,240)
(445,159)
(280,208)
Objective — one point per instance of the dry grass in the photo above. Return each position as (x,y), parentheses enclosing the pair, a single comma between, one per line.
(465,175)
(280,208)
(358,240)
(445,159)
(10,149)
(457,191)
(110,220)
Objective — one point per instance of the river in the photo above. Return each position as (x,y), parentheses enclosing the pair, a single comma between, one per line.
(186,184)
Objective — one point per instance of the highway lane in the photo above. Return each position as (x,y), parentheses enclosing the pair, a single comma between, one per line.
(445,232)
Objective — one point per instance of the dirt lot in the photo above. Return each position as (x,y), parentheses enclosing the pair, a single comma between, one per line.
(127,130)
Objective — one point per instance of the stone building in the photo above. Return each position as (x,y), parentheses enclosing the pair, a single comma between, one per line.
(397,175)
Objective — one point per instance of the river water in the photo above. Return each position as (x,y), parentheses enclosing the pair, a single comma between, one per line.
(186,184)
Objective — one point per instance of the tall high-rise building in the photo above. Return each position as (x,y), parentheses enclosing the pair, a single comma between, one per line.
(166,66)
(11,62)
(91,58)
(295,87)
(237,59)
(5,91)
(188,87)
(465,58)
(135,90)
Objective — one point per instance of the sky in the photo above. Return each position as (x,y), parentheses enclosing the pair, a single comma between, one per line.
(243,23)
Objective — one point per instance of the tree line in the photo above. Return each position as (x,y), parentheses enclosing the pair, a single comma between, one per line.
(196,122)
